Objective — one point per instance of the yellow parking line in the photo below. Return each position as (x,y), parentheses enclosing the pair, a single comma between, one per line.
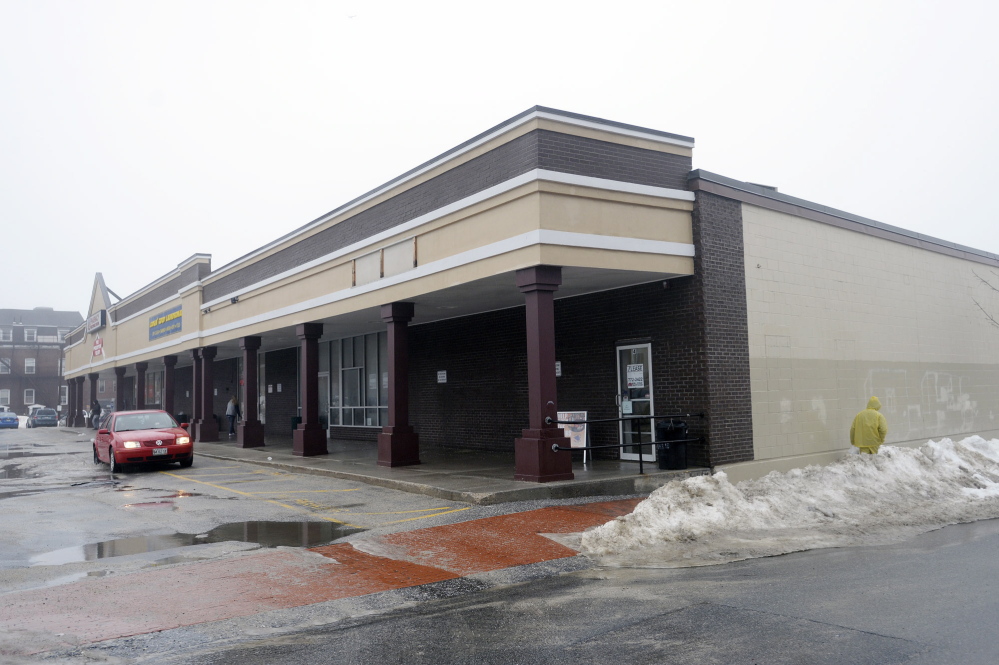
(400,512)
(231,473)
(304,491)
(276,503)
(423,517)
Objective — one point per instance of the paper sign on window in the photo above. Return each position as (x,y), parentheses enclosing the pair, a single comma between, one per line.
(636,376)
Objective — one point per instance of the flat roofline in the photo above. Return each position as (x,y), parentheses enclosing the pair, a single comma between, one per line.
(505,126)
(773,195)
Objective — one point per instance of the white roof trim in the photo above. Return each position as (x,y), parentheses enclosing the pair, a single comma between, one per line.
(495,190)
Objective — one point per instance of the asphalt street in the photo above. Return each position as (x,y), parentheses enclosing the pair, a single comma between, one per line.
(931,600)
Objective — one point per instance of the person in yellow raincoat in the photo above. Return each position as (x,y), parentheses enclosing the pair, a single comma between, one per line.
(869,428)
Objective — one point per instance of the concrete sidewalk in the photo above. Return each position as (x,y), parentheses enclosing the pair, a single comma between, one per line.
(475,477)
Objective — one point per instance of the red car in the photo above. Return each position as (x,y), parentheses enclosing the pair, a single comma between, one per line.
(127,437)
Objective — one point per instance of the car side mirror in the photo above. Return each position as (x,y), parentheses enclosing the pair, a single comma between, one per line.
(185,425)
(103,431)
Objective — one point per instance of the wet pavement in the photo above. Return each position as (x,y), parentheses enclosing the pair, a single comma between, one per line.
(95,609)
(88,556)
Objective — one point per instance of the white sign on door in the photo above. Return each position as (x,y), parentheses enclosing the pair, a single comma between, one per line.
(636,376)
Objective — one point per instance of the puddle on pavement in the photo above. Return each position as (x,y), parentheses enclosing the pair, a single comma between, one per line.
(164,505)
(11,495)
(15,471)
(66,579)
(267,534)
(176,559)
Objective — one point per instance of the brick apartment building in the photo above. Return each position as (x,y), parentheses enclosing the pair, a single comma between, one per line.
(31,357)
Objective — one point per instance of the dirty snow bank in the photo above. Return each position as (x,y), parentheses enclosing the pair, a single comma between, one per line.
(859,500)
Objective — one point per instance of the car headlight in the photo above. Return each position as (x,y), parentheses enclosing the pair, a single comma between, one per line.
(132,444)
(183,439)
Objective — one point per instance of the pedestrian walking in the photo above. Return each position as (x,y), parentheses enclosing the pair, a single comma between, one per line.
(869,428)
(232,413)
(95,414)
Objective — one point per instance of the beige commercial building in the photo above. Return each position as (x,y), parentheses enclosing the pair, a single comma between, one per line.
(559,262)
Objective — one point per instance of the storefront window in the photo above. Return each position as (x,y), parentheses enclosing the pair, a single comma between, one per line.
(359,381)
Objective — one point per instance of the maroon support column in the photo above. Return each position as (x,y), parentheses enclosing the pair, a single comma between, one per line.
(72,408)
(249,431)
(93,389)
(207,429)
(310,439)
(169,362)
(398,444)
(140,385)
(195,388)
(535,460)
(78,416)
(119,388)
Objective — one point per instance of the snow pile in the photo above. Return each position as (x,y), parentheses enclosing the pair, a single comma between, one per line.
(859,500)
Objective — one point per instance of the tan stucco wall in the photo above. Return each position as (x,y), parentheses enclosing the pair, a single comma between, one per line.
(442,245)
(836,316)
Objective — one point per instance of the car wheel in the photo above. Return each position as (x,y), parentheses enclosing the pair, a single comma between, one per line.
(184,463)
(97,460)
(115,466)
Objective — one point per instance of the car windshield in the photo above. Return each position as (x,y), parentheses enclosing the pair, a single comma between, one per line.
(46,412)
(135,421)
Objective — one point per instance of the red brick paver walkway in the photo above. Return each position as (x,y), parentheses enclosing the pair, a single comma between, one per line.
(118,606)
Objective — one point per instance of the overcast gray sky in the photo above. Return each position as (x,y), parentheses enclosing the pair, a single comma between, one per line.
(135,134)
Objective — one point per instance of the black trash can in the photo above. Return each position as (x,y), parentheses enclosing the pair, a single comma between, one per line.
(295,422)
(671,450)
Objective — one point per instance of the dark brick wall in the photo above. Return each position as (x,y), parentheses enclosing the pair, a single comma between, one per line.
(483,405)
(281,367)
(183,391)
(538,149)
(719,275)
(485,359)
(226,378)
(588,329)
(355,433)
(599,159)
(167,290)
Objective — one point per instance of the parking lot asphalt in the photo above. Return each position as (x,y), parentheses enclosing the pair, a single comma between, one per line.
(97,609)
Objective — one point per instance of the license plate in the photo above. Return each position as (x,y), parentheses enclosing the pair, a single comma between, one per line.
(159,451)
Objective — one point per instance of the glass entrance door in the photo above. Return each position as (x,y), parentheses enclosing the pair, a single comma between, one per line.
(634,398)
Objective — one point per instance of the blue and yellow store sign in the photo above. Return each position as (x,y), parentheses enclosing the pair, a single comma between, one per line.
(166,323)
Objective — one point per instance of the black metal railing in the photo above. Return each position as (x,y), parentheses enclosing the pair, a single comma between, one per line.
(641,466)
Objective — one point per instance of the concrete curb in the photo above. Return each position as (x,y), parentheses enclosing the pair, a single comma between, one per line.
(571,489)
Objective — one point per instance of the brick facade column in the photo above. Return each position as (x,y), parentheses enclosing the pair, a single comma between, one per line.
(207,428)
(398,444)
(72,408)
(140,385)
(169,363)
(309,437)
(195,387)
(534,459)
(250,431)
(78,416)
